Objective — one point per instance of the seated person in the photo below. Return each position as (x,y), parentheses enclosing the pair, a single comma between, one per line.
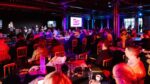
(103,52)
(4,55)
(4,51)
(57,59)
(56,78)
(41,50)
(134,64)
(20,40)
(83,46)
(56,46)
(123,74)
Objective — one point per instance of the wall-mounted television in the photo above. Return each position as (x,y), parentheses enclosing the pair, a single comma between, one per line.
(129,23)
(75,21)
(1,24)
(51,23)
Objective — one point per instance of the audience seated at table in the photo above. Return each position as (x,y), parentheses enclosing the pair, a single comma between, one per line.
(124,39)
(146,40)
(4,51)
(134,66)
(4,55)
(57,60)
(103,52)
(83,47)
(41,50)
(56,46)
(20,40)
(81,41)
(56,78)
(123,74)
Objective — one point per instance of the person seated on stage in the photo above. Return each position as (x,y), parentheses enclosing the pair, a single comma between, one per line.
(134,65)
(41,50)
(56,78)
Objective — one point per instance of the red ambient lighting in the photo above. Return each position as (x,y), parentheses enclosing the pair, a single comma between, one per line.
(19,6)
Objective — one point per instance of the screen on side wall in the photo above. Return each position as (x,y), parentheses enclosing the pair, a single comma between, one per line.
(51,23)
(75,21)
(1,24)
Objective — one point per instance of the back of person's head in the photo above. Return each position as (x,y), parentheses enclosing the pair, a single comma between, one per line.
(56,78)
(20,36)
(123,74)
(55,42)
(134,49)
(103,44)
(42,43)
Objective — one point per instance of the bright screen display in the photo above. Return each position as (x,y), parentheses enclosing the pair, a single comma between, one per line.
(75,21)
(51,23)
(129,23)
(0,24)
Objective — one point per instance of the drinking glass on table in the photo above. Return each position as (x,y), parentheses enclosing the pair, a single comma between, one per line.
(90,75)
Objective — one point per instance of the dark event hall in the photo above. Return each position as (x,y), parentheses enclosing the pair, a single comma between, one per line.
(74,41)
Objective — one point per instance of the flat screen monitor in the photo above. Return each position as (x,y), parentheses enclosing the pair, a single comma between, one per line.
(75,21)
(1,24)
(51,23)
(129,23)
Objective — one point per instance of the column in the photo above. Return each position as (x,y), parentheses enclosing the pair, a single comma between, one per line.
(108,22)
(116,20)
(65,23)
(93,22)
(101,23)
(88,24)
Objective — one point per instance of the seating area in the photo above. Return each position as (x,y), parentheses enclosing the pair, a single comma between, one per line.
(74,42)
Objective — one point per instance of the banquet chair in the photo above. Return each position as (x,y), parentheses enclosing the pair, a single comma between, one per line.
(58,60)
(99,47)
(21,56)
(9,69)
(74,43)
(60,54)
(22,52)
(83,56)
(107,62)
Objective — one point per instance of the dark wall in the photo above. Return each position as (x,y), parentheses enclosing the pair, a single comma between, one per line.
(146,22)
(28,19)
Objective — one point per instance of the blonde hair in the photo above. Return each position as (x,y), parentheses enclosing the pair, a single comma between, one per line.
(56,78)
(123,74)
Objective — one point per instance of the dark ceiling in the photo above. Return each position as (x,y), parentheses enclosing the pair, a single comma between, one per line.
(61,7)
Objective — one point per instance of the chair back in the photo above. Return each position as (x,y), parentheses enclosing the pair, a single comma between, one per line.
(21,52)
(60,54)
(99,47)
(11,67)
(107,62)
(74,43)
(83,56)
(4,56)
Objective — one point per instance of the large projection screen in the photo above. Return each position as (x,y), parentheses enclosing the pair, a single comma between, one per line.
(75,21)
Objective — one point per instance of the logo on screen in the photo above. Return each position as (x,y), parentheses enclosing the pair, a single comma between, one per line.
(76,22)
